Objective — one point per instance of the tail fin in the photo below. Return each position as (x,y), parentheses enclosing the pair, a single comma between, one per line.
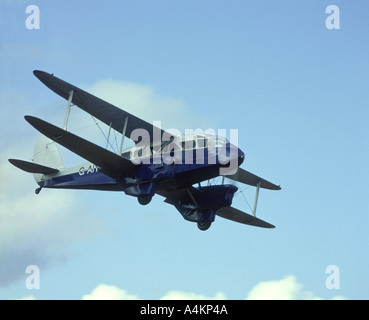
(46,154)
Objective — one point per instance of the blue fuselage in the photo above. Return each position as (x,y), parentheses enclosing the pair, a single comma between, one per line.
(161,171)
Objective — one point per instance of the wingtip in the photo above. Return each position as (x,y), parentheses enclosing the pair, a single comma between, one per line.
(27,118)
(14,162)
(30,119)
(37,73)
(41,74)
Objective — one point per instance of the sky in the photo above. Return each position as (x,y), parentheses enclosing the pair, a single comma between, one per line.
(296,90)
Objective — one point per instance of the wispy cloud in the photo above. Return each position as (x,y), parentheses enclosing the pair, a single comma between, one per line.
(142,101)
(146,102)
(16,50)
(37,230)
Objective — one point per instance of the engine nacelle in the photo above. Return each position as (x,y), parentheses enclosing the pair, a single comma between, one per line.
(204,209)
(139,189)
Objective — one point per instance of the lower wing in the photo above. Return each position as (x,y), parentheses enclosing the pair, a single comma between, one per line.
(236,215)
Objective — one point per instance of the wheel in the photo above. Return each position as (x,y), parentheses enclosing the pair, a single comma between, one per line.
(204,225)
(38,190)
(144,199)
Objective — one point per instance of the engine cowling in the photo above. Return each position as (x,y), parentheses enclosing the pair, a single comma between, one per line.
(202,207)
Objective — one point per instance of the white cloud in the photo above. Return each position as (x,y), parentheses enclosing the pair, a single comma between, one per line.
(182,295)
(145,102)
(31,297)
(34,229)
(142,101)
(109,292)
(287,288)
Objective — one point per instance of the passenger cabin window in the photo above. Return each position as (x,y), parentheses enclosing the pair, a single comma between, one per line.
(202,142)
(189,144)
(168,146)
(199,142)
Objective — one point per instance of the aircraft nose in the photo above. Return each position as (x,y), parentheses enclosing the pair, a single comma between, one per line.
(241,157)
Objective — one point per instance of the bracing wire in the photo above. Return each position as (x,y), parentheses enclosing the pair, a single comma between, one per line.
(106,138)
(242,192)
(114,149)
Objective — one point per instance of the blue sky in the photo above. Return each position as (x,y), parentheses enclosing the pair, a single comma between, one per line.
(296,91)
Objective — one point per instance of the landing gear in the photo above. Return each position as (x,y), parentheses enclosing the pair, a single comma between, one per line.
(204,225)
(144,199)
(38,190)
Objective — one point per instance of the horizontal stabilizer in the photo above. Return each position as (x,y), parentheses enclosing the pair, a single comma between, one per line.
(110,163)
(32,167)
(236,215)
(251,179)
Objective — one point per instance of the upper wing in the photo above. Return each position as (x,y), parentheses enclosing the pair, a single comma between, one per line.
(97,107)
(251,179)
(110,163)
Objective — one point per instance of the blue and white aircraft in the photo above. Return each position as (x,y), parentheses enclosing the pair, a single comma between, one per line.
(159,163)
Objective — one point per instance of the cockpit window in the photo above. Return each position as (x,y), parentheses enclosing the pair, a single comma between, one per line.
(216,142)
(220,142)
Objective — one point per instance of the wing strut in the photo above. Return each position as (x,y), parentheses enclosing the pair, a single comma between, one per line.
(256,198)
(68,109)
(108,138)
(123,135)
(192,197)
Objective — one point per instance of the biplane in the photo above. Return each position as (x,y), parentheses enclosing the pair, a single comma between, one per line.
(153,165)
